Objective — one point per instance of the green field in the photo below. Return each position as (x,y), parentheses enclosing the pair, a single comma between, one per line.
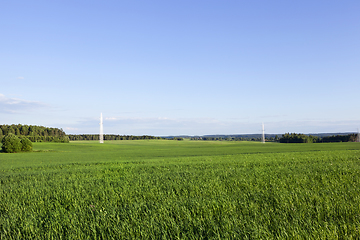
(161,189)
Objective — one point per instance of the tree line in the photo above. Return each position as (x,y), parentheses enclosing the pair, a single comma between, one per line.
(302,138)
(81,137)
(286,138)
(34,133)
(341,138)
(47,134)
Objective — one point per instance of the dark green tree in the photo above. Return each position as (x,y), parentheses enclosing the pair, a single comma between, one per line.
(11,130)
(11,143)
(26,144)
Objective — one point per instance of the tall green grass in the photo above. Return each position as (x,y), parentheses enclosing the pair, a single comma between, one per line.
(181,190)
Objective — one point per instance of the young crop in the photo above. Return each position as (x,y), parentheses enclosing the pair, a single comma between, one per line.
(171,190)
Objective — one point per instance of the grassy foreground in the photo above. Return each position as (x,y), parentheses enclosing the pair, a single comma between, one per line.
(181,190)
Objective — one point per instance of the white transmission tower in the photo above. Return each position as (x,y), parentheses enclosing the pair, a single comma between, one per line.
(263,134)
(101,137)
(358,136)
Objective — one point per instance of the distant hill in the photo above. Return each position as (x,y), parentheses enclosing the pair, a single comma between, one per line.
(278,134)
(243,136)
(251,136)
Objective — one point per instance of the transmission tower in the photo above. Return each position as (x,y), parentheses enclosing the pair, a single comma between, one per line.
(263,134)
(101,137)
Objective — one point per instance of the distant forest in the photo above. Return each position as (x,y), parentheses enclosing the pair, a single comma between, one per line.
(35,133)
(285,138)
(302,138)
(75,137)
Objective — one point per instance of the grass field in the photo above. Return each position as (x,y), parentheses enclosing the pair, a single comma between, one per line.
(160,189)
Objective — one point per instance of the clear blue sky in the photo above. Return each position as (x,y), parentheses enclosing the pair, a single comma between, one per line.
(181,67)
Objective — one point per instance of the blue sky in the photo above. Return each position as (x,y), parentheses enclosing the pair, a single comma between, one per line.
(181,67)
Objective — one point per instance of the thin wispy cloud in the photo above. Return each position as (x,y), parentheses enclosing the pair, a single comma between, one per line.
(16,105)
(312,126)
(156,126)
(71,129)
(165,126)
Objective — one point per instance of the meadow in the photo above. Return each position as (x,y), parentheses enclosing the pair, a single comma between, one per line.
(162,189)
